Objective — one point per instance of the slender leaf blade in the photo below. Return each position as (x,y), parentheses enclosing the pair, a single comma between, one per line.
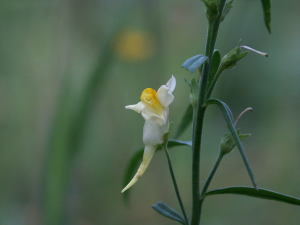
(193,63)
(173,143)
(228,118)
(266,5)
(137,158)
(167,211)
(252,192)
(227,8)
(186,121)
(229,112)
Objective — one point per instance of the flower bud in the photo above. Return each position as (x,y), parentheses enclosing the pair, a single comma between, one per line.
(228,143)
(231,58)
(212,9)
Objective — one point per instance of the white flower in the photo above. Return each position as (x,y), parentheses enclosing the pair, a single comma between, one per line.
(154,107)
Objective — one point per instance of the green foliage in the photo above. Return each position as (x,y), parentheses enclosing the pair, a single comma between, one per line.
(228,118)
(252,192)
(164,147)
(211,9)
(193,63)
(266,5)
(230,60)
(174,143)
(167,211)
(227,8)
(213,66)
(228,143)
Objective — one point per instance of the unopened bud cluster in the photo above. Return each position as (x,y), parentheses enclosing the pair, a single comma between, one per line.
(230,60)
(228,143)
(212,9)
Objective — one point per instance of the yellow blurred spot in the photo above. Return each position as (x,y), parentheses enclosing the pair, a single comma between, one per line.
(135,46)
(149,96)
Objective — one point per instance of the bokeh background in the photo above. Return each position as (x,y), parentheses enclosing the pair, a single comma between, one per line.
(68,68)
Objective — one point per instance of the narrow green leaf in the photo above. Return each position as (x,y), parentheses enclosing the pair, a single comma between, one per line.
(214,66)
(186,121)
(252,192)
(137,158)
(167,211)
(226,113)
(227,8)
(193,63)
(266,5)
(173,143)
(229,111)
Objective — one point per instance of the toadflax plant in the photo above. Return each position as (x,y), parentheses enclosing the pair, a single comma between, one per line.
(154,107)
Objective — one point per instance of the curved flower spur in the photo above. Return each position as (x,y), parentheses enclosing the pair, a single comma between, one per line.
(154,107)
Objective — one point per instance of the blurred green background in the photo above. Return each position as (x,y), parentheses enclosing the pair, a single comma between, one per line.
(67,70)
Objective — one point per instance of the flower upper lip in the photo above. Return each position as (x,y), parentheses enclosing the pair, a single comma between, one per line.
(164,98)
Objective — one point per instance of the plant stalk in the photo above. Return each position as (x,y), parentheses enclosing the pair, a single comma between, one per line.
(211,175)
(164,146)
(210,45)
(197,134)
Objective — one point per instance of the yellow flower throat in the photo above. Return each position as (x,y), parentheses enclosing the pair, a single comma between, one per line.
(149,96)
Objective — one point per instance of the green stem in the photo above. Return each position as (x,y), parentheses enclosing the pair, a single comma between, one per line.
(194,121)
(197,134)
(210,45)
(211,175)
(214,81)
(164,146)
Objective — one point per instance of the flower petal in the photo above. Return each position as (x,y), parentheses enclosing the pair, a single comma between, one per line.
(164,93)
(171,83)
(138,107)
(165,96)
